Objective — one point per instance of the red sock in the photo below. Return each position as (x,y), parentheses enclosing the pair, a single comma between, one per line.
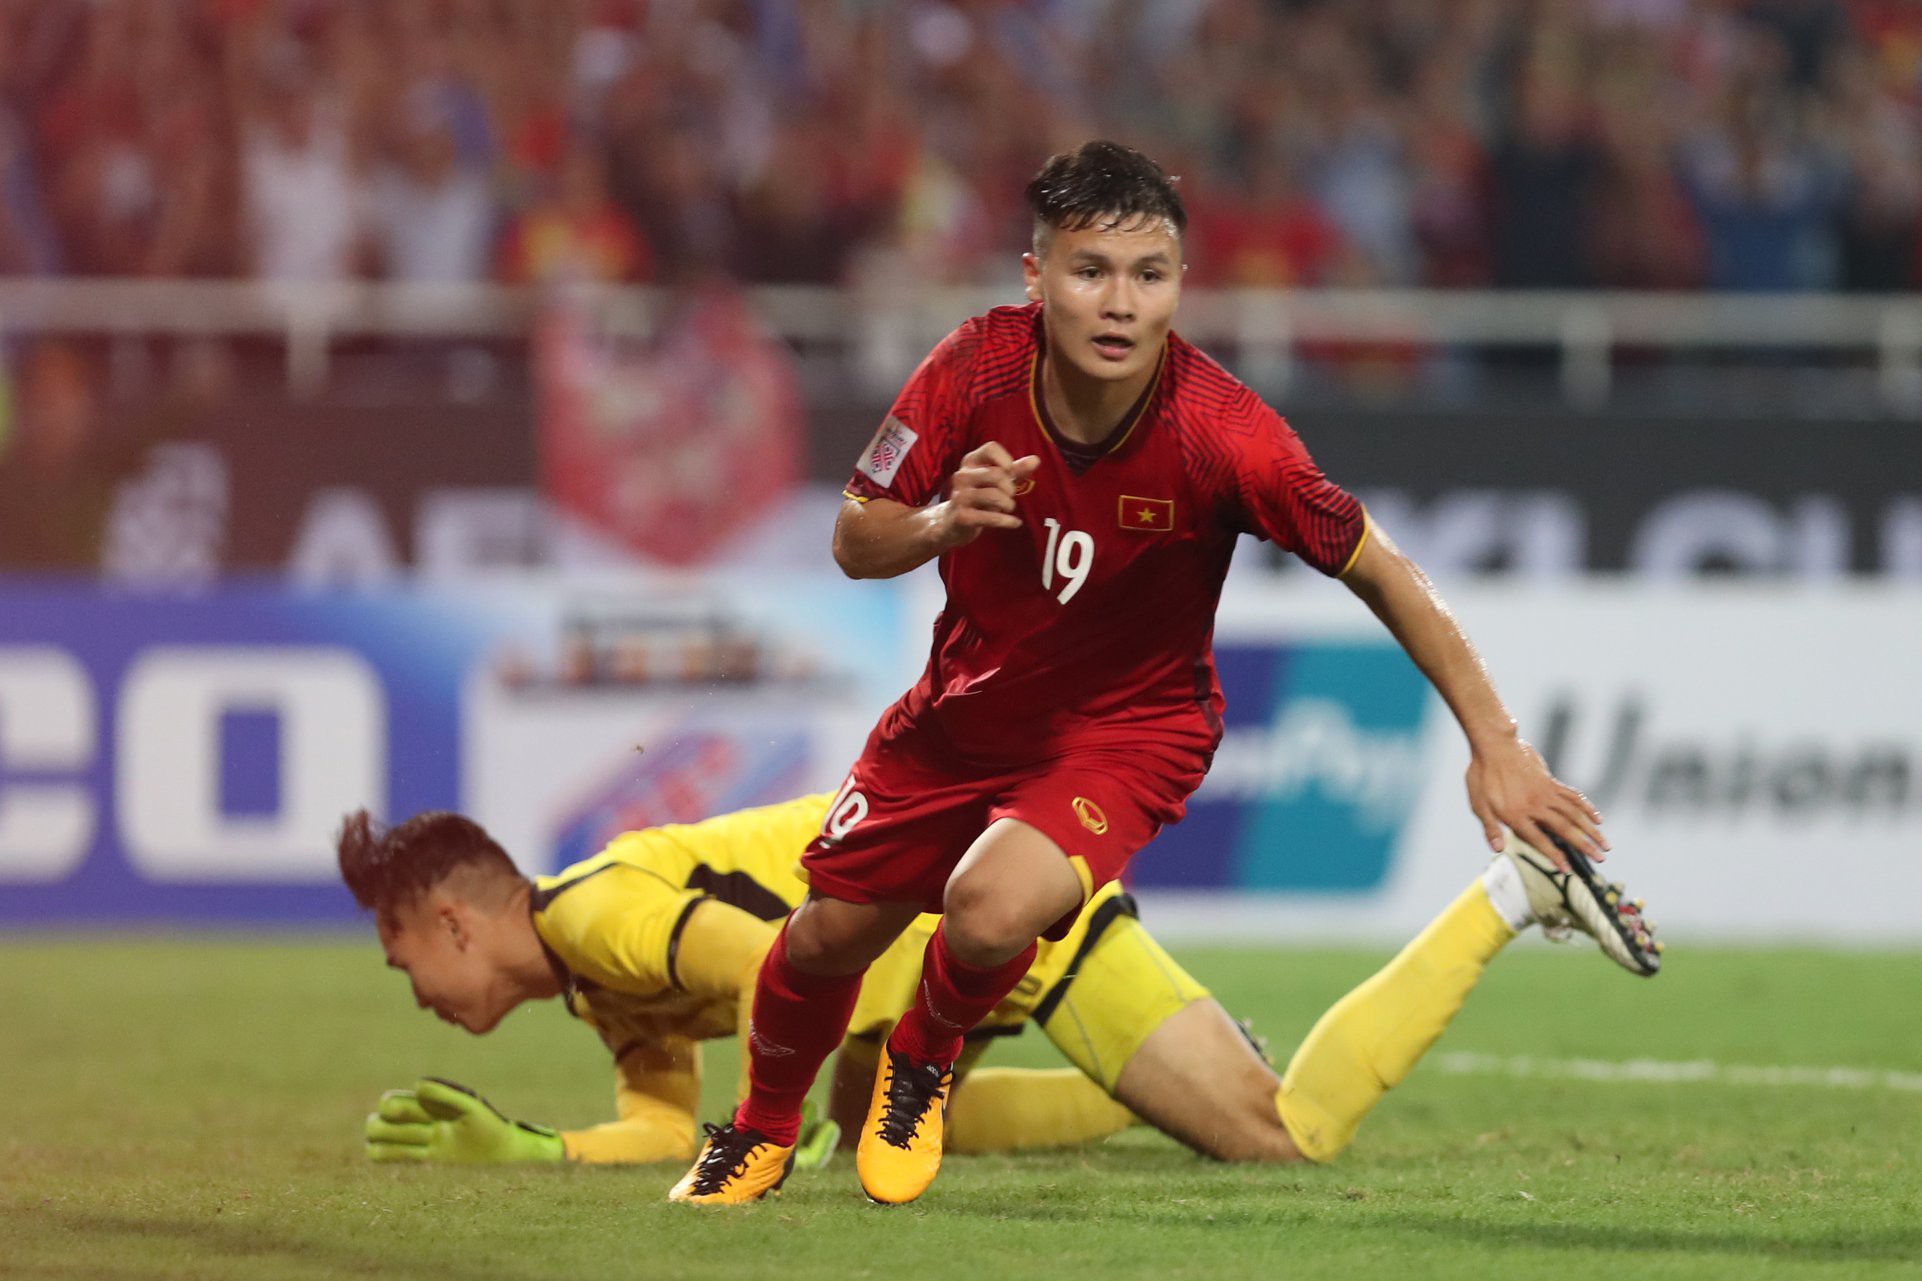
(952,998)
(799,1019)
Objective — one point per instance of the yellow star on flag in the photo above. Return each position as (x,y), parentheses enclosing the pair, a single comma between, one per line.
(1153,515)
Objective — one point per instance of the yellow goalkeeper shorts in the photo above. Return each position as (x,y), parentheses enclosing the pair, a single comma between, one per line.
(1098,993)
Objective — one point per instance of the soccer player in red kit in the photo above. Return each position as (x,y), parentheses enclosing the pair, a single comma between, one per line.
(1082,474)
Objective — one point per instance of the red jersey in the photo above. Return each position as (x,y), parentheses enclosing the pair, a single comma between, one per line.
(1092,625)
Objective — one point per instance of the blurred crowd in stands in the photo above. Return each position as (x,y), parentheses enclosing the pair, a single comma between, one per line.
(1731,144)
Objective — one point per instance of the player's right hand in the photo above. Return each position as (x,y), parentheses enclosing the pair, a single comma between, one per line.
(1510,787)
(443,1122)
(981,494)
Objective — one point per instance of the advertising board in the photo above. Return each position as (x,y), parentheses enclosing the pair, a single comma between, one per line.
(187,758)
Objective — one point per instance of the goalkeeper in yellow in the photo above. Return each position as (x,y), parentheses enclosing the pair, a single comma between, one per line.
(656,942)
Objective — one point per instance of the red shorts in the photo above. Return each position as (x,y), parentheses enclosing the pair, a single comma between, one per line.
(911,807)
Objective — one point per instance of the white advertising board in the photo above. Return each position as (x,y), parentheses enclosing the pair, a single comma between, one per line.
(1756,752)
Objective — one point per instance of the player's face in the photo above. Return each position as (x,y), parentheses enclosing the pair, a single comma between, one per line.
(440,944)
(1109,296)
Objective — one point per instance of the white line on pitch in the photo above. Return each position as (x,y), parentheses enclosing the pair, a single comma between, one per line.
(1673,1071)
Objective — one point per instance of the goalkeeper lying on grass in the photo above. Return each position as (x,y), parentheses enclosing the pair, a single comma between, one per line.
(656,941)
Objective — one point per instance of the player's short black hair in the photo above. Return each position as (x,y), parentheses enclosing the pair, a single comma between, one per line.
(389,868)
(1106,183)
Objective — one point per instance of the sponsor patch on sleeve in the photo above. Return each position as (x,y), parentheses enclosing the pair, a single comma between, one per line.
(884,454)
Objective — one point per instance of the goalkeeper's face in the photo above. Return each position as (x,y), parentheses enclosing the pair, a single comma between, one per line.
(450,951)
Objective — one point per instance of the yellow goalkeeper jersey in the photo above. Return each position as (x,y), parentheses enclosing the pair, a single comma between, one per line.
(616,925)
(638,963)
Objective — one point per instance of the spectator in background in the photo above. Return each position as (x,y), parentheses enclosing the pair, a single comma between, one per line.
(1544,173)
(1809,32)
(870,172)
(1359,171)
(678,198)
(576,232)
(300,179)
(1449,196)
(521,56)
(790,231)
(430,216)
(27,243)
(1646,233)
(187,137)
(1882,197)
(101,183)
(940,229)
(1766,194)
(1270,233)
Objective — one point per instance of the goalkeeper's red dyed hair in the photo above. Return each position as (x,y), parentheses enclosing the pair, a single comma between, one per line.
(389,868)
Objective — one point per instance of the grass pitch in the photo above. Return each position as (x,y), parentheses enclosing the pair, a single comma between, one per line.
(191,1108)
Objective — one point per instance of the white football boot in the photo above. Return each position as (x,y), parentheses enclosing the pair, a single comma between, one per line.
(1580,900)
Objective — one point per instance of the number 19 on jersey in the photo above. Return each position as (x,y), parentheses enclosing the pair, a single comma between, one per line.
(1070,555)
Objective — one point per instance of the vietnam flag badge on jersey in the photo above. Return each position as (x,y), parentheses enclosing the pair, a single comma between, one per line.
(1154,515)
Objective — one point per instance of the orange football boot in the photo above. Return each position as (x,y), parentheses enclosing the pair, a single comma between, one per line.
(900,1149)
(736,1165)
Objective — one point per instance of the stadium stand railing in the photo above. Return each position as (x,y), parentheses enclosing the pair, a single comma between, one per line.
(884,333)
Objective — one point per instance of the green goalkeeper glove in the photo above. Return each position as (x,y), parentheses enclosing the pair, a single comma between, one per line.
(440,1121)
(819,1138)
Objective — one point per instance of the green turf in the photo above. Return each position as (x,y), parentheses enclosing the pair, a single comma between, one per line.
(191,1109)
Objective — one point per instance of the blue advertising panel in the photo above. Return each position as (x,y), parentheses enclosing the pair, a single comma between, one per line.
(189,758)
(1319,769)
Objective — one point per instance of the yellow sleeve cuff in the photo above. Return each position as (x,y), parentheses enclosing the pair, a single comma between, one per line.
(1366,526)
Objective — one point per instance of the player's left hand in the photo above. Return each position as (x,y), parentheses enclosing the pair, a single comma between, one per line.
(440,1121)
(1510,784)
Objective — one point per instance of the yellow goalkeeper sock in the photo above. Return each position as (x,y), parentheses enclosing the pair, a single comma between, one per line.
(1008,1109)
(1371,1038)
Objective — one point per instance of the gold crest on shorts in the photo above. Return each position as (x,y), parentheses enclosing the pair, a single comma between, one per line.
(1090,815)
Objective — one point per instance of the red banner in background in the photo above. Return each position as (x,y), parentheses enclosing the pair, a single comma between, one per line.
(672,447)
